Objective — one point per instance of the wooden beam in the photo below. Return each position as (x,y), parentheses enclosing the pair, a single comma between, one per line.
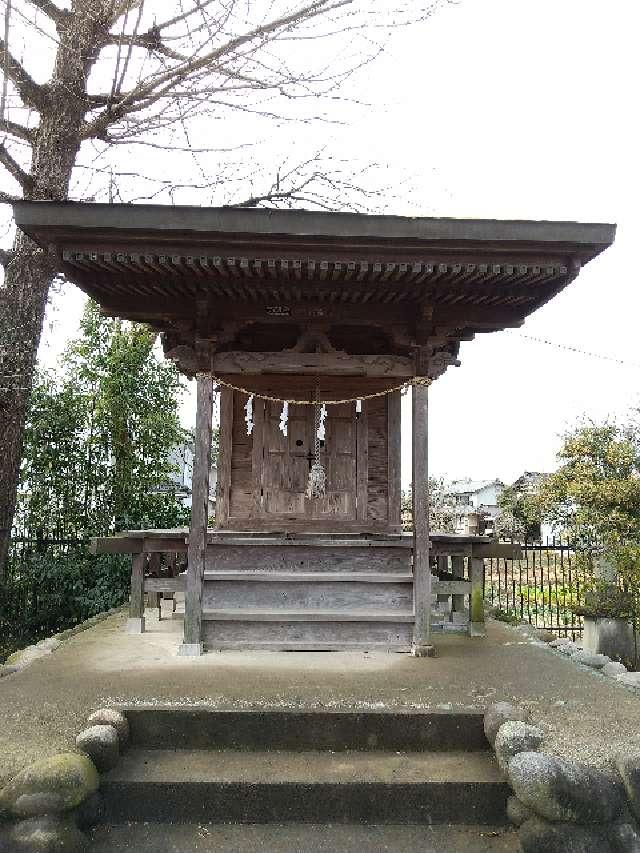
(236,363)
(192,644)
(504,550)
(137,544)
(457,570)
(115,545)
(267,310)
(156,585)
(458,589)
(421,570)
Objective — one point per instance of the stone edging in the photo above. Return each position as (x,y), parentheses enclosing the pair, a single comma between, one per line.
(47,805)
(602,663)
(561,806)
(563,645)
(23,657)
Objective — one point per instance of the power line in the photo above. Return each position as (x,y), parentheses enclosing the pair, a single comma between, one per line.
(578,351)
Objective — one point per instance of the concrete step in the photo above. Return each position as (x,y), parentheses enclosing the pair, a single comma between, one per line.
(301,838)
(230,786)
(154,727)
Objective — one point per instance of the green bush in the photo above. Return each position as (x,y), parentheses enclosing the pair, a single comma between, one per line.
(49,592)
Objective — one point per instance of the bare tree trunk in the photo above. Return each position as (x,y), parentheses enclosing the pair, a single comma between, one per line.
(21,313)
(29,274)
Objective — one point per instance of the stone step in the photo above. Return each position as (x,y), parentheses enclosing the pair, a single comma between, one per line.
(232,786)
(157,727)
(294,838)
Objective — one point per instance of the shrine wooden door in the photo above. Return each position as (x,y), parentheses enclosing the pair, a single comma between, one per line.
(263,475)
(287,460)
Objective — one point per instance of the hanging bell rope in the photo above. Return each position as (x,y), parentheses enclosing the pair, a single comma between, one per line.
(317,476)
(417,380)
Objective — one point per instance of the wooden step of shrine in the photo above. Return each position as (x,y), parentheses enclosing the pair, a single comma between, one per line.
(203,765)
(307,609)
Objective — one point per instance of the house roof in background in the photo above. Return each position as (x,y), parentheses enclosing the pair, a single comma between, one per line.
(469,487)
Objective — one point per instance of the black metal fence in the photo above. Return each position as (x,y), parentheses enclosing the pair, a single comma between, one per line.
(543,587)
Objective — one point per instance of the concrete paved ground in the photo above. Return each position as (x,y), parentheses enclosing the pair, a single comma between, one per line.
(42,708)
(150,838)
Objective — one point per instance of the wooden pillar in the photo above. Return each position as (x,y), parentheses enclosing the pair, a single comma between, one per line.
(457,601)
(135,622)
(476,600)
(153,598)
(197,548)
(421,571)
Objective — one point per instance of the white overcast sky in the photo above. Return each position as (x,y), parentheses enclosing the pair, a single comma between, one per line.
(514,109)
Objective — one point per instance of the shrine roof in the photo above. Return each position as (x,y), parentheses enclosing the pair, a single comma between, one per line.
(155,263)
(63,220)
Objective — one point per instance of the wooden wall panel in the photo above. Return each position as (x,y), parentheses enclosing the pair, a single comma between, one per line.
(241,494)
(224,457)
(378,493)
(394,407)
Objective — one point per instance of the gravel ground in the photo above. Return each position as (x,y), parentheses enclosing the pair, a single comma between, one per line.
(584,715)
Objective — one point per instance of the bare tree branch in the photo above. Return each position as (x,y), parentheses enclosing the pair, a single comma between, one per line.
(57,15)
(147,93)
(31,93)
(15,169)
(18,130)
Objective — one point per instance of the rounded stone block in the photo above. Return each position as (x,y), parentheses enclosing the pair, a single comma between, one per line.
(538,836)
(561,641)
(625,838)
(595,661)
(50,786)
(544,636)
(514,737)
(47,834)
(90,812)
(628,766)
(111,717)
(500,713)
(613,668)
(102,746)
(517,812)
(563,791)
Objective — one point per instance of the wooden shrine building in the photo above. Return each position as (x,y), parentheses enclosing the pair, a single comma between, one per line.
(310,324)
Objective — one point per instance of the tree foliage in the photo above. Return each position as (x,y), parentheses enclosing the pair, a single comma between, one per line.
(99,436)
(520,514)
(595,494)
(98,439)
